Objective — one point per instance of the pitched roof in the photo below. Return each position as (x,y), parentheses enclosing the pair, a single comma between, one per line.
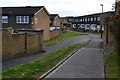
(28,10)
(52,16)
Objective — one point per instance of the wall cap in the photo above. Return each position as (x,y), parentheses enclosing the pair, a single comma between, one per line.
(32,30)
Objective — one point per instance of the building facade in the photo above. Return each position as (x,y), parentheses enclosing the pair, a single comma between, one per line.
(64,21)
(88,22)
(29,17)
(92,22)
(55,22)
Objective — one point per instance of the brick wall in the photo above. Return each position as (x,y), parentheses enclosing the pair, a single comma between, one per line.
(68,28)
(57,21)
(42,21)
(118,7)
(19,43)
(108,37)
(54,33)
(33,42)
(64,20)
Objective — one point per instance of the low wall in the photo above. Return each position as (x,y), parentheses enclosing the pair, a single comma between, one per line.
(68,28)
(54,33)
(108,37)
(12,43)
(18,43)
(33,43)
(111,39)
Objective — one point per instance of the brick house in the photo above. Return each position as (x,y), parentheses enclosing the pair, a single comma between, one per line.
(55,20)
(29,17)
(64,22)
(55,25)
(70,20)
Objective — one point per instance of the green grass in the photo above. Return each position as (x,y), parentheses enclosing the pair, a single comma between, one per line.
(36,68)
(62,37)
(111,65)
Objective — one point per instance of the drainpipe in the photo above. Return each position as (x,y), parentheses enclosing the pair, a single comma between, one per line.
(26,42)
(107,34)
(102,17)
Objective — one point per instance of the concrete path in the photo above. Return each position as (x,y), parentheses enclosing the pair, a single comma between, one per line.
(66,42)
(86,63)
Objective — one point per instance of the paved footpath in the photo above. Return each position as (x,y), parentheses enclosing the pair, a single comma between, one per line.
(73,40)
(86,63)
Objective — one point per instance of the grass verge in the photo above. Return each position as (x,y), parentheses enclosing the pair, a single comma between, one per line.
(62,37)
(111,65)
(38,67)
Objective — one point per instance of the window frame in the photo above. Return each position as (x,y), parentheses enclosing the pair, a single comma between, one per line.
(95,19)
(25,19)
(98,18)
(91,18)
(86,19)
(5,18)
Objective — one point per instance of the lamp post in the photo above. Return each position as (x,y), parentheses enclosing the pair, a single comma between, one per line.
(101,24)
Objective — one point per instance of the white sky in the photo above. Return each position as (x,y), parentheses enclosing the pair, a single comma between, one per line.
(64,7)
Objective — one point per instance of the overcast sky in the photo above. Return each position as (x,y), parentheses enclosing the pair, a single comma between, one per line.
(64,7)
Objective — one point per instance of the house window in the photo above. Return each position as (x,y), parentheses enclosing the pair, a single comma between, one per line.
(70,20)
(65,20)
(98,18)
(76,20)
(91,19)
(82,19)
(94,18)
(85,19)
(22,19)
(4,19)
(50,21)
(79,20)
